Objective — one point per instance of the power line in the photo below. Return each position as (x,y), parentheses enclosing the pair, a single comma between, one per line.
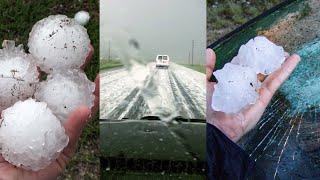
(192,51)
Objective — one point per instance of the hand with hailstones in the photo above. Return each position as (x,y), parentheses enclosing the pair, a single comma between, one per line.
(73,126)
(237,125)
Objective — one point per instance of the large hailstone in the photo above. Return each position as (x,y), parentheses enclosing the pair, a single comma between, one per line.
(261,54)
(18,74)
(59,42)
(31,137)
(64,91)
(82,17)
(236,88)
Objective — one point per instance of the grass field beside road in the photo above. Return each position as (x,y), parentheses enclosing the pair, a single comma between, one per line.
(109,64)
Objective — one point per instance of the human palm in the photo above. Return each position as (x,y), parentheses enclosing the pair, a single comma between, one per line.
(236,125)
(73,128)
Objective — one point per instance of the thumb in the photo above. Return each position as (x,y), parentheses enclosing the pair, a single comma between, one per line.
(74,126)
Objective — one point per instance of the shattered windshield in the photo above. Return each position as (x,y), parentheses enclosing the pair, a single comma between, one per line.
(286,140)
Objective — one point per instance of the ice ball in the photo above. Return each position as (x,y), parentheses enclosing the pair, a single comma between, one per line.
(31,137)
(82,17)
(261,54)
(18,74)
(236,88)
(64,91)
(59,42)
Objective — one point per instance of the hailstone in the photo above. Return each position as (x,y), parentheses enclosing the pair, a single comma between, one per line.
(82,17)
(31,136)
(64,91)
(236,88)
(238,81)
(58,42)
(18,74)
(261,54)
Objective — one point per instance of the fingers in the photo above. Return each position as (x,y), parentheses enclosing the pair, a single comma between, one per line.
(97,96)
(210,62)
(210,89)
(269,87)
(74,126)
(89,56)
(274,80)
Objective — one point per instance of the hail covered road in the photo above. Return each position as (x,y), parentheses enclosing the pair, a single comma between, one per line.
(151,91)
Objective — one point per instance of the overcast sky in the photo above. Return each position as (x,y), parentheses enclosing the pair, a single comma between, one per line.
(159,27)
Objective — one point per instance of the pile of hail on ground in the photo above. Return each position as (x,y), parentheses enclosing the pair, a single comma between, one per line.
(31,132)
(238,80)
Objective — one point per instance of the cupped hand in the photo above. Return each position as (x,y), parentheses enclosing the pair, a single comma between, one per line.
(236,125)
(73,127)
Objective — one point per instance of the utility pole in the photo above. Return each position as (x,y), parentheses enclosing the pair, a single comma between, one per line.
(192,51)
(189,58)
(109,54)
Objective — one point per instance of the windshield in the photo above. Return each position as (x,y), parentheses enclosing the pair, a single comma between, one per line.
(134,85)
(285,141)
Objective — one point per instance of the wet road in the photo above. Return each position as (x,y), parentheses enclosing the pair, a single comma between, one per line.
(151,91)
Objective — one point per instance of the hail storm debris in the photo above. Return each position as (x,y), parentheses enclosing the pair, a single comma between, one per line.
(66,91)
(261,55)
(82,17)
(238,82)
(18,74)
(31,136)
(31,132)
(59,42)
(236,88)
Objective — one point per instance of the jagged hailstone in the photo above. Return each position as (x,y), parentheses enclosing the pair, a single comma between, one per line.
(59,42)
(82,17)
(261,54)
(31,136)
(64,91)
(18,74)
(236,88)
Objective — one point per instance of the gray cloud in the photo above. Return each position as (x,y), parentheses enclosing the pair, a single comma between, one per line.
(158,26)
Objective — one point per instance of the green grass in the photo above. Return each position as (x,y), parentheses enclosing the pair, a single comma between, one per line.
(104,64)
(223,16)
(197,67)
(16,21)
(147,176)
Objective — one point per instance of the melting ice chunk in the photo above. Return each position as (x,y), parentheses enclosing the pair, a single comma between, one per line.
(59,42)
(66,91)
(236,88)
(31,137)
(18,74)
(238,82)
(82,17)
(261,54)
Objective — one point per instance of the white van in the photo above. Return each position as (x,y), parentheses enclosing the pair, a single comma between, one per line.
(162,61)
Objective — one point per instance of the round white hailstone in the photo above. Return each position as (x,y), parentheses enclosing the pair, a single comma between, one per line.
(31,137)
(236,88)
(58,42)
(261,54)
(82,17)
(18,74)
(66,91)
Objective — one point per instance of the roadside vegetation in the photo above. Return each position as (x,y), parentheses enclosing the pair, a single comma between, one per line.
(197,67)
(223,16)
(109,64)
